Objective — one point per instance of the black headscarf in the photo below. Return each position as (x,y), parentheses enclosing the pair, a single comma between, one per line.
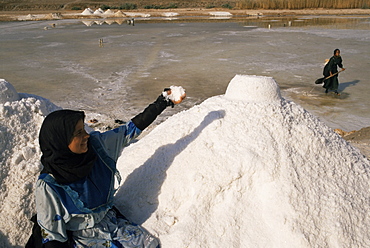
(56,133)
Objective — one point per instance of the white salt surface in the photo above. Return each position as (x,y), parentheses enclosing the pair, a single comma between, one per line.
(229,172)
(170,14)
(135,14)
(220,13)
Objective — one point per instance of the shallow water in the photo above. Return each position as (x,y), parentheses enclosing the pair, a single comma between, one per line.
(116,69)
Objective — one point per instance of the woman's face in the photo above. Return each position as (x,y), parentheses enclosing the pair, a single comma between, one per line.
(79,140)
(337,53)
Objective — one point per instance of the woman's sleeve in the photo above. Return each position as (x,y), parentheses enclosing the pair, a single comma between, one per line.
(340,62)
(150,113)
(332,65)
(115,140)
(51,214)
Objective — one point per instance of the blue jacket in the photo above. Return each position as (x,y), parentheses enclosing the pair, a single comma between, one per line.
(82,204)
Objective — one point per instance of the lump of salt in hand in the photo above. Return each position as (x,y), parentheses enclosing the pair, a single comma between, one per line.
(177,94)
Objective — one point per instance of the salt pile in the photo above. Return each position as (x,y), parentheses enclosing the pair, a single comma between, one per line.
(108,12)
(134,14)
(220,13)
(119,13)
(21,116)
(87,11)
(7,92)
(247,169)
(98,12)
(244,169)
(170,14)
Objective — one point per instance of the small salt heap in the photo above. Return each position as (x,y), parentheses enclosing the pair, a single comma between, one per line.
(7,92)
(263,89)
(108,12)
(98,12)
(87,11)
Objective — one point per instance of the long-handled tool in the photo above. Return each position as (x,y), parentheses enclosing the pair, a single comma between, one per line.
(321,80)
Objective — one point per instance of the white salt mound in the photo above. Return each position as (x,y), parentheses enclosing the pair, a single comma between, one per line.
(98,12)
(253,89)
(220,13)
(7,92)
(136,14)
(170,14)
(87,11)
(20,122)
(119,13)
(253,173)
(108,12)
(229,172)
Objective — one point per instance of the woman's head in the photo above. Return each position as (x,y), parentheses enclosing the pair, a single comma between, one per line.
(78,143)
(337,52)
(64,145)
(58,130)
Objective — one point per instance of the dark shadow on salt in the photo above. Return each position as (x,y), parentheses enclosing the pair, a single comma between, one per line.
(4,242)
(154,176)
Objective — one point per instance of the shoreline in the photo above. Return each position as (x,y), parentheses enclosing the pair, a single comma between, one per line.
(357,138)
(178,13)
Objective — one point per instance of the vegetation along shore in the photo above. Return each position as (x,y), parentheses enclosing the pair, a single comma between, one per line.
(23,5)
(63,9)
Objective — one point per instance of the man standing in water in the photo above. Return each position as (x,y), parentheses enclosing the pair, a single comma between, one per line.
(330,69)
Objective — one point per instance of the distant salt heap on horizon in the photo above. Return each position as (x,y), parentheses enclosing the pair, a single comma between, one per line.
(87,11)
(170,14)
(220,13)
(244,169)
(98,12)
(108,12)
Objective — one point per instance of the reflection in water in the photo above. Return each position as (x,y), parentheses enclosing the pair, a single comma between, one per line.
(319,22)
(324,22)
(118,21)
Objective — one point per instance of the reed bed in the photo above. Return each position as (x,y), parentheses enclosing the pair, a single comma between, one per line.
(173,4)
(302,4)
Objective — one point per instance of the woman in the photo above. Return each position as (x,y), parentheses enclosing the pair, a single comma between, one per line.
(330,69)
(75,190)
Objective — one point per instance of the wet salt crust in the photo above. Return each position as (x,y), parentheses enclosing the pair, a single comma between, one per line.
(244,169)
